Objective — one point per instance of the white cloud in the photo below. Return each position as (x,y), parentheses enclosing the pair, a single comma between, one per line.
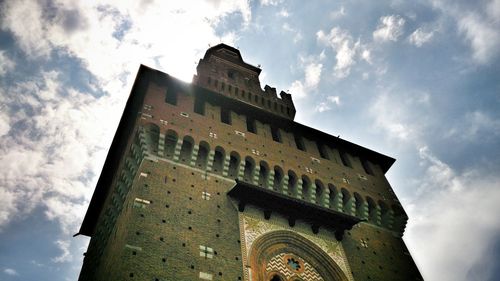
(327,105)
(346,49)
(270,2)
(65,255)
(284,13)
(480,26)
(395,113)
(297,34)
(4,124)
(483,36)
(95,42)
(53,161)
(6,64)
(10,271)
(419,37)
(312,76)
(338,13)
(367,56)
(322,106)
(475,126)
(390,28)
(452,208)
(45,163)
(334,99)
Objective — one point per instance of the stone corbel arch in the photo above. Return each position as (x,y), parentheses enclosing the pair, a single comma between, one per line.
(274,243)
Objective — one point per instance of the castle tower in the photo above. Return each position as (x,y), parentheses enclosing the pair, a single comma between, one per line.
(214,180)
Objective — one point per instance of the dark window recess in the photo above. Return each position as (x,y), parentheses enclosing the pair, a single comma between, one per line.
(223,86)
(299,143)
(251,125)
(209,80)
(216,82)
(230,74)
(367,167)
(171,97)
(199,106)
(225,116)
(345,159)
(275,132)
(322,151)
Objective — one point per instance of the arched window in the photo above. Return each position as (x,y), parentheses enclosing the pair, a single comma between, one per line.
(276,277)
(186,149)
(319,191)
(359,205)
(263,174)
(292,183)
(306,187)
(170,143)
(333,195)
(218,160)
(278,178)
(384,212)
(372,209)
(346,201)
(201,160)
(234,164)
(152,136)
(249,169)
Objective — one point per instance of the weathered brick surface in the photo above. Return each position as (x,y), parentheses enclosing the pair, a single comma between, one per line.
(161,241)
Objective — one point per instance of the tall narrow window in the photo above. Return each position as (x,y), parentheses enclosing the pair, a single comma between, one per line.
(251,125)
(278,178)
(275,132)
(234,163)
(218,163)
(199,106)
(345,159)
(171,97)
(299,143)
(225,115)
(367,167)
(322,151)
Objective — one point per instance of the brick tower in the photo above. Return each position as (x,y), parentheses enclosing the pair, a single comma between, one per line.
(214,180)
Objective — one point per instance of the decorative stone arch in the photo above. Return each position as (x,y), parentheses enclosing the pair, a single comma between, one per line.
(274,243)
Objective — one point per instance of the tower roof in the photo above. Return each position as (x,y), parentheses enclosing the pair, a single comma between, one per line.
(231,54)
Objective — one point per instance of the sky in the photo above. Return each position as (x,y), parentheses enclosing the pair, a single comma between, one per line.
(415,80)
